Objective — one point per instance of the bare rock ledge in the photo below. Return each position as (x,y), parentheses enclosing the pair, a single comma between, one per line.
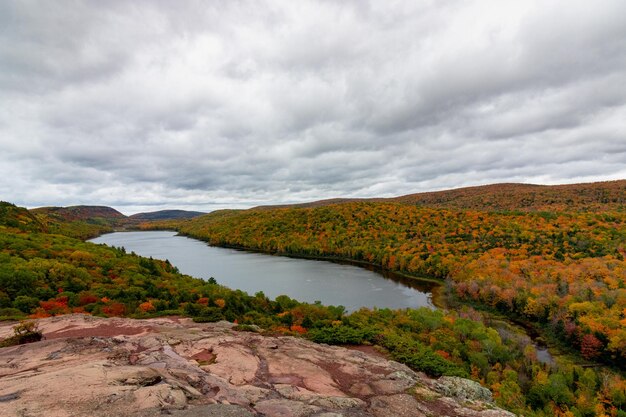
(89,366)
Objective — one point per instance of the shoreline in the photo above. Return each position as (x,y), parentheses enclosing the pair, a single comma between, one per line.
(435,286)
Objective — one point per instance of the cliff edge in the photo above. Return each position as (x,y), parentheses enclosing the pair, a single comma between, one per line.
(89,366)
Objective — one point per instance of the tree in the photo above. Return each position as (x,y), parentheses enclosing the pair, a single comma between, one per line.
(590,346)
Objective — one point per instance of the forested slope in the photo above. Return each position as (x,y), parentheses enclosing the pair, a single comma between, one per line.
(565,270)
(594,197)
(85,222)
(588,197)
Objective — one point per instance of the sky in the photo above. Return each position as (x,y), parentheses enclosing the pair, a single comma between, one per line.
(202,105)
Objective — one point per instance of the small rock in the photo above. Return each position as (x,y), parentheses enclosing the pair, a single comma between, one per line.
(424,394)
(399,405)
(224,324)
(404,376)
(285,408)
(338,402)
(143,377)
(214,410)
(462,388)
(160,396)
(294,392)
(53,356)
(388,386)
(361,389)
(496,413)
(10,397)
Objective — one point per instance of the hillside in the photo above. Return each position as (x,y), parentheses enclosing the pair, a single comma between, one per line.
(593,197)
(81,222)
(19,218)
(589,197)
(165,215)
(74,213)
(565,271)
(318,203)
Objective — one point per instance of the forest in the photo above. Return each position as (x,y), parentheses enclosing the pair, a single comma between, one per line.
(563,271)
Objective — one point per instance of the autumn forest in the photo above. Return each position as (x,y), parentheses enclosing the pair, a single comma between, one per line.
(550,259)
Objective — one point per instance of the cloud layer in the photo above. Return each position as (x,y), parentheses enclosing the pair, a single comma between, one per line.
(204,105)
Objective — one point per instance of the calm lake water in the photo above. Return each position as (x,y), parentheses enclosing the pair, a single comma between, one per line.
(305,280)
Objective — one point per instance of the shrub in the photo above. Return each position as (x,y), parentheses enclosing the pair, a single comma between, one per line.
(146,307)
(114,309)
(209,315)
(11,313)
(25,303)
(342,335)
(55,307)
(85,298)
(24,332)
(192,309)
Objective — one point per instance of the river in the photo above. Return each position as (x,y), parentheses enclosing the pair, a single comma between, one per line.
(305,280)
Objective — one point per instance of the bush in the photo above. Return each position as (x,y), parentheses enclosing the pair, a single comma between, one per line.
(5,300)
(209,315)
(342,335)
(25,303)
(420,357)
(24,332)
(193,309)
(85,298)
(11,314)
(429,362)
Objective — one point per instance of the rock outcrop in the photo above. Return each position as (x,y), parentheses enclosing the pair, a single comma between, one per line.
(89,366)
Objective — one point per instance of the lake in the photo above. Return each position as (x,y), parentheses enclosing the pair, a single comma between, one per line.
(305,280)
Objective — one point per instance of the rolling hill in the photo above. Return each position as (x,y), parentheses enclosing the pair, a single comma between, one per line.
(165,215)
(74,213)
(597,196)
(556,262)
(589,197)
(19,218)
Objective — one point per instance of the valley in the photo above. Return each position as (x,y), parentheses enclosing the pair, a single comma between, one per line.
(557,268)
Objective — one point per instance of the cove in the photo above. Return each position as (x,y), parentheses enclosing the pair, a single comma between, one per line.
(305,280)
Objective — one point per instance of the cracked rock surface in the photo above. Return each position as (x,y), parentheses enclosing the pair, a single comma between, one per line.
(89,366)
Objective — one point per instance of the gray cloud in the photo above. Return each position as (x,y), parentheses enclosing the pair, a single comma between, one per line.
(143,105)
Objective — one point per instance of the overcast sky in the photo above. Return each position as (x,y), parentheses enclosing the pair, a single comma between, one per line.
(144,105)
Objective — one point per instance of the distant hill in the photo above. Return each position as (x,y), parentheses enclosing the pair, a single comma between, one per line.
(19,218)
(85,222)
(590,197)
(73,213)
(597,196)
(319,203)
(166,215)
(81,222)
